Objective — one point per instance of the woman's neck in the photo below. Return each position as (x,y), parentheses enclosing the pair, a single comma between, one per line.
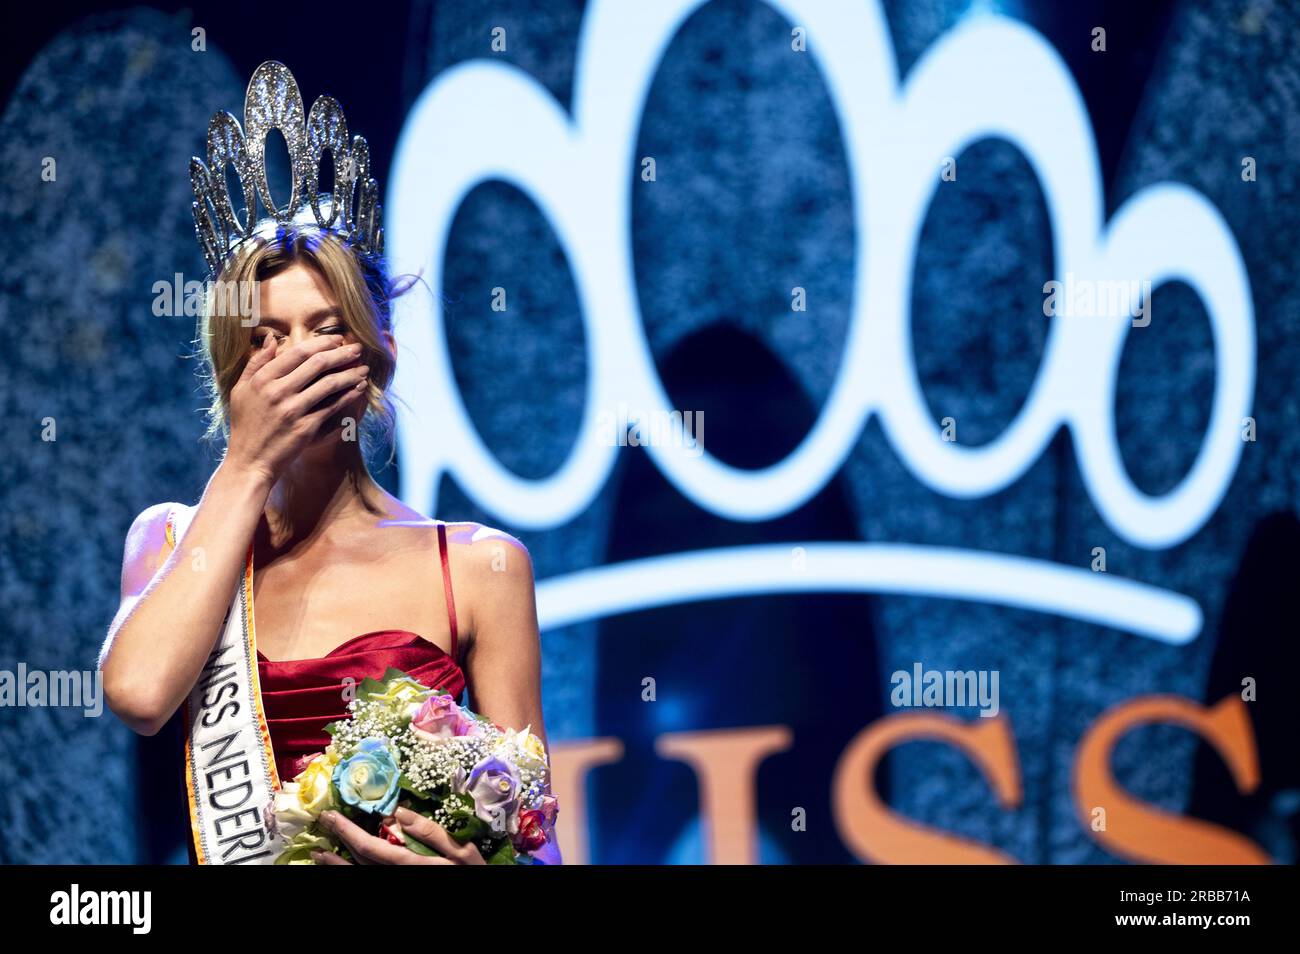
(319,489)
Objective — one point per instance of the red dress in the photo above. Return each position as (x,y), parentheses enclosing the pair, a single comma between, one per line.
(301,696)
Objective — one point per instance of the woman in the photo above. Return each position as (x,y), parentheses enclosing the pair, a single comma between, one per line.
(342,580)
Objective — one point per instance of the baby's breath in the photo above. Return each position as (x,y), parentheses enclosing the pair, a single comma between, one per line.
(431,765)
(369,720)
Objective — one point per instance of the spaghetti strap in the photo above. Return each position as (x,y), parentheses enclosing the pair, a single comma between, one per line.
(446,586)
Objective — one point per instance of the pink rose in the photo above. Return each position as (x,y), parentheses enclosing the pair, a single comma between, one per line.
(549,810)
(440,718)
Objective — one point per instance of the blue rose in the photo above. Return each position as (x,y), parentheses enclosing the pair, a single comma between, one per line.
(369,777)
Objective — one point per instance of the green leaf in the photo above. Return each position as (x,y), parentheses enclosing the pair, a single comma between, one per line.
(472,829)
(419,847)
(368,688)
(407,785)
(503,855)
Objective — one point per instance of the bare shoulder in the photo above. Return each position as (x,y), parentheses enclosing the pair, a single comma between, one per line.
(146,547)
(488,553)
(493,572)
(149,528)
(474,547)
(485,562)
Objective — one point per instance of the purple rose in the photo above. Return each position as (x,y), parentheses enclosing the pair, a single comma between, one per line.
(494,786)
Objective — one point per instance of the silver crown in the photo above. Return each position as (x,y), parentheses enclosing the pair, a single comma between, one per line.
(274,102)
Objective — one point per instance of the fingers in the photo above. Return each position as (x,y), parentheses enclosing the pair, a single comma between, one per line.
(261,357)
(287,359)
(369,850)
(429,832)
(317,364)
(366,848)
(316,417)
(342,386)
(328,858)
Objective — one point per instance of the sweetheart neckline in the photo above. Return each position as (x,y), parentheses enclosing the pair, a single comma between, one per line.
(347,642)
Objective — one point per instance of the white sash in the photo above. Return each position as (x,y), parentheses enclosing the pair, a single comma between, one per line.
(229,765)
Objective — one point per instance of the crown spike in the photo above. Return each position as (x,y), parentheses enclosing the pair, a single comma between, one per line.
(226,147)
(328,129)
(273,101)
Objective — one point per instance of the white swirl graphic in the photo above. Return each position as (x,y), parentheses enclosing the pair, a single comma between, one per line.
(989,76)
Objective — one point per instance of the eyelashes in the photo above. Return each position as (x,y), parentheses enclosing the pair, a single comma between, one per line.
(258,339)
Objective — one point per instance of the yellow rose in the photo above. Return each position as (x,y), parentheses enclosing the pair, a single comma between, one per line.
(402,692)
(525,743)
(532,745)
(298,850)
(315,792)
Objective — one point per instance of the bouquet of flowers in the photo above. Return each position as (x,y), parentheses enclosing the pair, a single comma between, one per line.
(406,744)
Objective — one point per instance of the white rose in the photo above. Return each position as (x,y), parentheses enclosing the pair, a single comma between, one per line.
(290,817)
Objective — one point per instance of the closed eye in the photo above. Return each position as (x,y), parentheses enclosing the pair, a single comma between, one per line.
(259,338)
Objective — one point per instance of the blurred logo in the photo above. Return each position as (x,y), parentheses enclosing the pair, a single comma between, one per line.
(988,77)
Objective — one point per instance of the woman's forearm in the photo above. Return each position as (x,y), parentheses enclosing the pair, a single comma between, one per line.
(162,636)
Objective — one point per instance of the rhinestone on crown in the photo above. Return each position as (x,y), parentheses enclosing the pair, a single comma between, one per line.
(274,102)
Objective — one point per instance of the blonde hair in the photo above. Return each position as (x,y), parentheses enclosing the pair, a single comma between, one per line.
(358,281)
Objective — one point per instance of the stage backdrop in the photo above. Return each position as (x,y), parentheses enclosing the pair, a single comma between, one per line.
(981,322)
